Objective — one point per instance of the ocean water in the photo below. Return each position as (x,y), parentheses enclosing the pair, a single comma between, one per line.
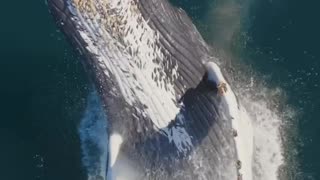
(272,47)
(43,90)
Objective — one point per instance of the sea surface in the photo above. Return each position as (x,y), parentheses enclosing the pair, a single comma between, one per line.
(271,45)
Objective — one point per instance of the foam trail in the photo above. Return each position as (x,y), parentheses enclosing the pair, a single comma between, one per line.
(94,138)
(267,122)
(267,150)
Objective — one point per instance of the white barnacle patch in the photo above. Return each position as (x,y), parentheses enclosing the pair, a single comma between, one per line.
(128,49)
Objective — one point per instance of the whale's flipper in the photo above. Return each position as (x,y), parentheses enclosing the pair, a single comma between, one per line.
(115,142)
(114,148)
(147,61)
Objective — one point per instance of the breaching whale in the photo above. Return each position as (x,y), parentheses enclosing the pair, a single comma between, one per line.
(171,113)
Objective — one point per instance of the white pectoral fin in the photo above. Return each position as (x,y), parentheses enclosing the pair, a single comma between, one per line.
(115,142)
(114,148)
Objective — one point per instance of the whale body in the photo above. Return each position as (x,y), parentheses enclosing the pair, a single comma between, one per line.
(157,79)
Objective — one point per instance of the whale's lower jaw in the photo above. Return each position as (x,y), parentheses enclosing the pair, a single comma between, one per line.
(147,59)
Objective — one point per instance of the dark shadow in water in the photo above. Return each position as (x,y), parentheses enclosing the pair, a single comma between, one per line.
(42,90)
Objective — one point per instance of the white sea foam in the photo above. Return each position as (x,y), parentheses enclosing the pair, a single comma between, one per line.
(267,157)
(259,106)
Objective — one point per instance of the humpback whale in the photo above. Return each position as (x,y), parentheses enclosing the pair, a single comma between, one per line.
(171,112)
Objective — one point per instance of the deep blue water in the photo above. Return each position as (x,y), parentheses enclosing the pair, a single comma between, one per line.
(42,90)
(43,85)
(289,36)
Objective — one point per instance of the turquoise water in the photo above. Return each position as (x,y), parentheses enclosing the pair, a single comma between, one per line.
(42,90)
(43,85)
(288,36)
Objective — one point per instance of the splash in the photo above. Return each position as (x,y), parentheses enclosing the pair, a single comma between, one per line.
(266,106)
(267,143)
(94,138)
(266,110)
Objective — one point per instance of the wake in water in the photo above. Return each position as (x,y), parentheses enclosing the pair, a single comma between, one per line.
(94,138)
(267,152)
